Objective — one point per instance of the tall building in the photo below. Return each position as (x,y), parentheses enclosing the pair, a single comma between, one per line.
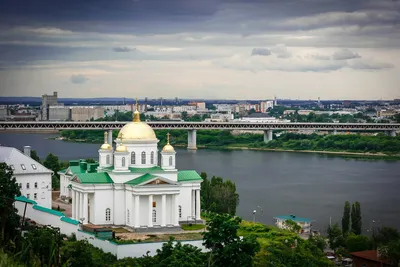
(129,187)
(265,105)
(48,100)
(33,178)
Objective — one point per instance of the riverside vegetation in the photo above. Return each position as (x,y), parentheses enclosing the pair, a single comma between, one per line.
(379,145)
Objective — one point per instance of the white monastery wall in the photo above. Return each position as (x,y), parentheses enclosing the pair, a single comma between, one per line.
(103,200)
(185,201)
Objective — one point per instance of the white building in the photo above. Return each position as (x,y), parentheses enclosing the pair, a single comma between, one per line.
(133,185)
(304,223)
(33,178)
(265,105)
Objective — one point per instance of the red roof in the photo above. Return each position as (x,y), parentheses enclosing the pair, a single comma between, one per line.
(369,255)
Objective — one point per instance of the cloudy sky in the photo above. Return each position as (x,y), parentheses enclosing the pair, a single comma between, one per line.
(243,49)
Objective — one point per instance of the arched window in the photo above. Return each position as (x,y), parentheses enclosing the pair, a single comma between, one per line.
(154,216)
(170,160)
(180,211)
(123,161)
(108,214)
(133,158)
(143,157)
(127,216)
(27,185)
(108,159)
(35,184)
(152,157)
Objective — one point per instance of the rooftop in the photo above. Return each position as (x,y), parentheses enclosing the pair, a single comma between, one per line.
(19,162)
(371,255)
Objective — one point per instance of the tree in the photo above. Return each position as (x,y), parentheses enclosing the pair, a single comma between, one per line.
(35,156)
(9,189)
(356,220)
(355,243)
(292,226)
(335,236)
(346,218)
(45,244)
(171,255)
(384,236)
(226,247)
(51,162)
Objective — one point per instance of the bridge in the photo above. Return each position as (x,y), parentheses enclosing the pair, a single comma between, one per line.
(268,128)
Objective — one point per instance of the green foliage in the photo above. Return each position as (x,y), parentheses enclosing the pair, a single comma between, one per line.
(82,254)
(51,162)
(7,261)
(218,196)
(9,189)
(335,236)
(192,227)
(292,226)
(293,253)
(226,247)
(44,243)
(254,227)
(356,220)
(34,155)
(384,236)
(346,218)
(355,243)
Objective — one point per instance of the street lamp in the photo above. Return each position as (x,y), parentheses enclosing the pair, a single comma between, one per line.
(254,215)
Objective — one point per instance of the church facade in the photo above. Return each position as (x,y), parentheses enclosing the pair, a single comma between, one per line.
(134,185)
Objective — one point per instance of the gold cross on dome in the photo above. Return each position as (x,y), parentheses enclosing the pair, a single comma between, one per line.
(137,105)
(168,134)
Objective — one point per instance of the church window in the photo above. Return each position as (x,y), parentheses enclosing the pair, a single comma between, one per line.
(123,161)
(133,158)
(108,159)
(108,214)
(154,204)
(170,160)
(143,157)
(154,216)
(180,211)
(152,157)
(127,216)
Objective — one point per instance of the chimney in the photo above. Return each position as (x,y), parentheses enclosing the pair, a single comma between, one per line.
(27,151)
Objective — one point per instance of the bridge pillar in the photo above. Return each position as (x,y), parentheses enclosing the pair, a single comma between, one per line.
(392,133)
(267,136)
(110,137)
(335,132)
(192,140)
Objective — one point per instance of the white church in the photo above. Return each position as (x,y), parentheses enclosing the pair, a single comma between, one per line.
(128,186)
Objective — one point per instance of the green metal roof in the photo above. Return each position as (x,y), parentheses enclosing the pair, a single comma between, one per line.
(94,178)
(141,179)
(63,171)
(69,220)
(25,199)
(76,169)
(54,212)
(185,176)
(139,170)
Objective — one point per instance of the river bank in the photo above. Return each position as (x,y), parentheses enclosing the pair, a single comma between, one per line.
(346,154)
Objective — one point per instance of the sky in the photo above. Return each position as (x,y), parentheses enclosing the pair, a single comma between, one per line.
(211,49)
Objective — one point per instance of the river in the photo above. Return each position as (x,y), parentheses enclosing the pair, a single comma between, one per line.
(305,184)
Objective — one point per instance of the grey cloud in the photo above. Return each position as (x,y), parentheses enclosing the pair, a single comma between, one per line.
(319,57)
(345,54)
(365,65)
(123,49)
(281,51)
(260,52)
(78,79)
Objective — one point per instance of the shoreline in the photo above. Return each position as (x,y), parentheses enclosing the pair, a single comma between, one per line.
(367,155)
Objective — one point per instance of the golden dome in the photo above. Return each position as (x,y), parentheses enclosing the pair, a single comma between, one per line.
(168,147)
(121,148)
(137,130)
(105,146)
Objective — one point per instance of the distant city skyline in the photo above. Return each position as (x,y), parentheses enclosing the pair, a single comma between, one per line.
(209,49)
